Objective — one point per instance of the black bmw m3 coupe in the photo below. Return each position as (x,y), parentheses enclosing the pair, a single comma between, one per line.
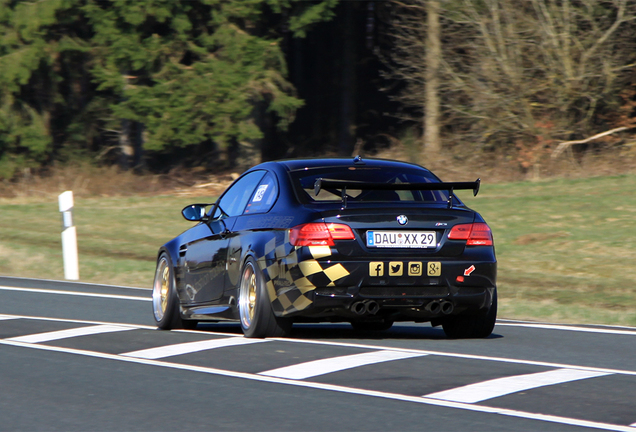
(364,241)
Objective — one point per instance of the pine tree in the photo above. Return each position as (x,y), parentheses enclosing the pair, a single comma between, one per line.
(98,74)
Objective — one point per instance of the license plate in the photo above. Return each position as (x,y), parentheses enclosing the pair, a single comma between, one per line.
(401,239)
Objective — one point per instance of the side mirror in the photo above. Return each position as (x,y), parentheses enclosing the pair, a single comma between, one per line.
(195,212)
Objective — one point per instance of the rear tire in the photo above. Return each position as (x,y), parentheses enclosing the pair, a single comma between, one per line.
(255,309)
(165,302)
(472,326)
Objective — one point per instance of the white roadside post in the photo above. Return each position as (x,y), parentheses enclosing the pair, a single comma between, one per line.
(69,237)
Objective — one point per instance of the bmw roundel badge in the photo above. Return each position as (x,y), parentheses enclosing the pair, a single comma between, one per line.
(402,220)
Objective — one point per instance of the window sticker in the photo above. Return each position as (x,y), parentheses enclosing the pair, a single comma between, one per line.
(260,192)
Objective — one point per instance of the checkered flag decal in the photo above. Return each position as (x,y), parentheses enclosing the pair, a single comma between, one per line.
(304,276)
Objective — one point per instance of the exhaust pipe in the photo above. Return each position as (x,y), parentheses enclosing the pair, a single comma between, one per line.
(447,307)
(372,307)
(434,307)
(359,308)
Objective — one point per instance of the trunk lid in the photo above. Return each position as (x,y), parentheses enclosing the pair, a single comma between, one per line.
(396,223)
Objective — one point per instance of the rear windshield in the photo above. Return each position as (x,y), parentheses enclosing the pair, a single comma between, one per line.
(303,181)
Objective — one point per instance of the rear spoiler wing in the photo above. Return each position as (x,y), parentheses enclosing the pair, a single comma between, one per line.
(322,183)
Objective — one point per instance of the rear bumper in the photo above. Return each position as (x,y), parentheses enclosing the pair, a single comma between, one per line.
(396,297)
(414,303)
(402,288)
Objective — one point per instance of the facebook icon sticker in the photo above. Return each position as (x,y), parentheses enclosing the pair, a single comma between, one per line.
(376,268)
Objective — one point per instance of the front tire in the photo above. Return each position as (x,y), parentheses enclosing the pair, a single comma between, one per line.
(472,326)
(255,310)
(165,302)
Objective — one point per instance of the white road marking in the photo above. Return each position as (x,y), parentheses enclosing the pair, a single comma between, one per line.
(68,282)
(76,293)
(571,328)
(633,425)
(75,321)
(190,347)
(463,356)
(335,364)
(7,317)
(64,334)
(490,389)
(363,346)
(335,388)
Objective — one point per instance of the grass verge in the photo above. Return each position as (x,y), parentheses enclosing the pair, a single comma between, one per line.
(564,247)
(118,237)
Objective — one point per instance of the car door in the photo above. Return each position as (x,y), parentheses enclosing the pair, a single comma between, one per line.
(260,202)
(206,258)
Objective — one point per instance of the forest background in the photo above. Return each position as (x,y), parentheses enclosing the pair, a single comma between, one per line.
(218,85)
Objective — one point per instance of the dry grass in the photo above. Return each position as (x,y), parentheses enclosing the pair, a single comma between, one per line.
(564,244)
(564,247)
(89,181)
(457,164)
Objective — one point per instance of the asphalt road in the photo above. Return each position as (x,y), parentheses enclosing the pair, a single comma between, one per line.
(87,357)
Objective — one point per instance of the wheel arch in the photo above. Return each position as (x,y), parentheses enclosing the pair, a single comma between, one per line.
(171,249)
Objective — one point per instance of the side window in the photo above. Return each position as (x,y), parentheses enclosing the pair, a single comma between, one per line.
(235,199)
(264,196)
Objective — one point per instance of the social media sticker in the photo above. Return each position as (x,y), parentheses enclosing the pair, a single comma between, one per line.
(396,268)
(434,269)
(415,269)
(376,268)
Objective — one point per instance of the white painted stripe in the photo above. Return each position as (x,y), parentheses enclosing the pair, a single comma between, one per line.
(334,388)
(75,293)
(190,347)
(66,282)
(64,334)
(464,356)
(7,317)
(571,328)
(363,346)
(485,390)
(335,364)
(75,321)
(633,425)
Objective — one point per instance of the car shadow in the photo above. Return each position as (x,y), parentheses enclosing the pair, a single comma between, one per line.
(345,331)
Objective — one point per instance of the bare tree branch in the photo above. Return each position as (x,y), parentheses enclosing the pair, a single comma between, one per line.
(564,145)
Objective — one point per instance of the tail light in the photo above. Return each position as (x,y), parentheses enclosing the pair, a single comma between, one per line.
(319,234)
(475,234)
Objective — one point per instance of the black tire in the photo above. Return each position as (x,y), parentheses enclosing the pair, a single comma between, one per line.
(372,326)
(255,309)
(472,326)
(165,302)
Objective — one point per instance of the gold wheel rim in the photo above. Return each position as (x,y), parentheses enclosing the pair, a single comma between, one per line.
(252,296)
(248,296)
(161,289)
(165,287)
